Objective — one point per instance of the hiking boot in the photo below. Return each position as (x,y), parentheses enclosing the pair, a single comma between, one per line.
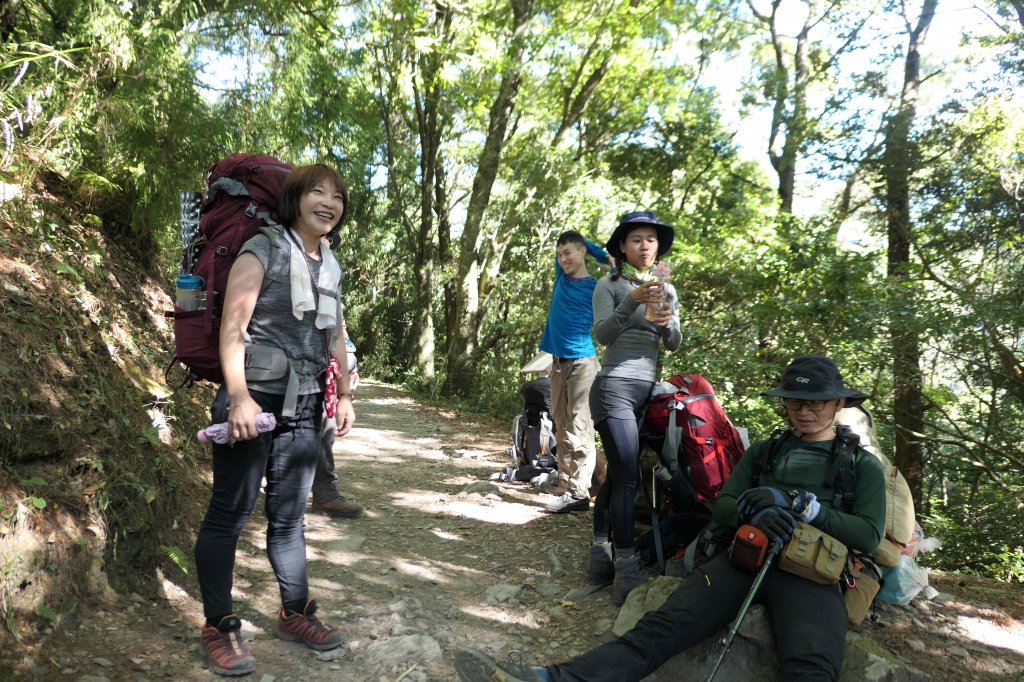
(305,627)
(548,480)
(566,503)
(476,666)
(600,567)
(629,573)
(339,507)
(224,648)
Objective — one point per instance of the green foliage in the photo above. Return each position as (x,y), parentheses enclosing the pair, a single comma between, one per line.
(44,610)
(177,555)
(104,108)
(981,537)
(151,435)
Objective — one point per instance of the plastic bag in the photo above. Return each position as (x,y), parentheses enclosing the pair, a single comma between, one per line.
(910,549)
(903,582)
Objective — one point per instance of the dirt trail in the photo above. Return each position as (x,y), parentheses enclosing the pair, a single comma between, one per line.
(414,570)
(430,567)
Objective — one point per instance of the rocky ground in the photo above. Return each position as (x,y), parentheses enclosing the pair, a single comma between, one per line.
(444,559)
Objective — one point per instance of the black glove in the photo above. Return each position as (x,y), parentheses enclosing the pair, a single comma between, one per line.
(754,500)
(777,523)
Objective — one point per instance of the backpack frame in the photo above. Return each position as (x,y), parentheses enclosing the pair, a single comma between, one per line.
(841,476)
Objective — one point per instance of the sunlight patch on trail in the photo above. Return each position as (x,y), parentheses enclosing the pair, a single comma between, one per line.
(372,442)
(421,571)
(385,402)
(489,509)
(385,445)
(524,618)
(990,634)
(445,535)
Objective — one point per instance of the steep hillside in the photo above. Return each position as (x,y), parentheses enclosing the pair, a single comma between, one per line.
(93,464)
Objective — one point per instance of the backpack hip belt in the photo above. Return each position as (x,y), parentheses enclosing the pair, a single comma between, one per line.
(291,393)
(268,363)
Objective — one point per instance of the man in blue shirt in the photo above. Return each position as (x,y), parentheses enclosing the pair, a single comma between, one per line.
(567,338)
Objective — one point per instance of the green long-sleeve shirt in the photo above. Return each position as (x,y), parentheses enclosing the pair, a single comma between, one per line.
(803,465)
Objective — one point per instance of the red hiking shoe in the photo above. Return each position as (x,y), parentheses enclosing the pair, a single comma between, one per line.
(305,627)
(224,648)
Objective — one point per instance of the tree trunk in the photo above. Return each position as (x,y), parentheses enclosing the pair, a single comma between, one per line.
(466,328)
(429,130)
(1019,8)
(789,108)
(899,161)
(445,258)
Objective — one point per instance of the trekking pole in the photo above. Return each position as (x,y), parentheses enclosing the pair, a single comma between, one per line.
(734,628)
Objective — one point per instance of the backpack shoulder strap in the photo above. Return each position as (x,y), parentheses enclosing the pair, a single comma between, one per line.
(842,476)
(769,452)
(278,261)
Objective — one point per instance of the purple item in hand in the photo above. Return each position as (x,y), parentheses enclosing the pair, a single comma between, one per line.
(218,433)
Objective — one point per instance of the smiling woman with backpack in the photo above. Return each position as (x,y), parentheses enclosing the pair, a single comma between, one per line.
(280,323)
(634,314)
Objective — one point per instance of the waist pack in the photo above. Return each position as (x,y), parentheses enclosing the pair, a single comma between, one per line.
(861,583)
(814,555)
(267,363)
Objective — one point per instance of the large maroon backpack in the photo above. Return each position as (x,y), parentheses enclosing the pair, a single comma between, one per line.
(241,196)
(700,443)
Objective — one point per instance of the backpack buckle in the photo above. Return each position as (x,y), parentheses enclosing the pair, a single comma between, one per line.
(221,250)
(251,209)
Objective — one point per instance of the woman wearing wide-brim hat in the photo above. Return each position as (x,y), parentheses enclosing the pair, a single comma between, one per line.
(808,619)
(622,386)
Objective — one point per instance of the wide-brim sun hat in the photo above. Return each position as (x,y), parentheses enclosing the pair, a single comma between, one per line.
(815,377)
(631,221)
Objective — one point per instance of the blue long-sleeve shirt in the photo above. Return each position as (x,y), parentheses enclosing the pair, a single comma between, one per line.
(571,314)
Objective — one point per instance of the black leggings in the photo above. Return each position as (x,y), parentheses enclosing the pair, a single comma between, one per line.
(613,508)
(287,457)
(617,403)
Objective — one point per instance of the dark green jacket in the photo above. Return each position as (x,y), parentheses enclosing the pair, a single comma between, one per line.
(803,465)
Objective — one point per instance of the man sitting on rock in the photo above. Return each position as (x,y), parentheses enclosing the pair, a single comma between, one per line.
(808,619)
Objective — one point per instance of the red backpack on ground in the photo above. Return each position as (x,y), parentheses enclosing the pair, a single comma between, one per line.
(241,196)
(700,443)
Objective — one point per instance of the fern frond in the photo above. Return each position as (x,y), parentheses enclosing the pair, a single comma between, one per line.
(177,555)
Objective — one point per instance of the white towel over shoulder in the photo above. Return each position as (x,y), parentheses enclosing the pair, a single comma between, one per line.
(302,287)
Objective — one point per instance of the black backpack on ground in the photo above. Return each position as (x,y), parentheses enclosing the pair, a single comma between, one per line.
(533,431)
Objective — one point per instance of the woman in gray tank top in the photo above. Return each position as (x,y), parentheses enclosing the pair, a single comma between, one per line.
(283,292)
(632,335)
